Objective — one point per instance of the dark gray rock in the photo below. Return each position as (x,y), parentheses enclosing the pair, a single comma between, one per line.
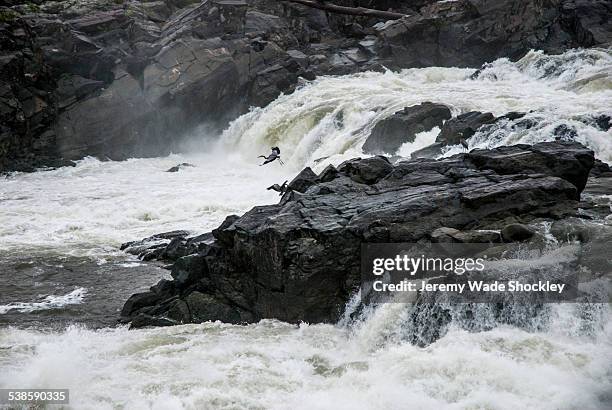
(203,307)
(299,260)
(575,229)
(139,301)
(262,23)
(168,246)
(516,233)
(551,159)
(604,122)
(600,168)
(304,180)
(177,311)
(445,235)
(389,134)
(178,167)
(188,269)
(366,171)
(565,132)
(463,127)
(588,21)
(601,122)
(300,57)
(429,152)
(144,320)
(451,235)
(220,233)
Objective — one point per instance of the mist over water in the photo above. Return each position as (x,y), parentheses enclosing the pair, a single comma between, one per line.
(60,264)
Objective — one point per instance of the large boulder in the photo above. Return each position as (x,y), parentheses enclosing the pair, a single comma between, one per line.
(516,233)
(299,260)
(304,180)
(188,82)
(551,159)
(588,20)
(389,134)
(366,171)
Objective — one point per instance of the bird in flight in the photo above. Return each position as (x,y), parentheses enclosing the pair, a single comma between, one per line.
(275,155)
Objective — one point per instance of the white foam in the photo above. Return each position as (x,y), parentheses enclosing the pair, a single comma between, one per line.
(89,210)
(421,140)
(274,365)
(131,264)
(48,302)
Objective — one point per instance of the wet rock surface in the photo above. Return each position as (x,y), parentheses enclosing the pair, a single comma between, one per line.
(463,127)
(467,33)
(299,260)
(389,134)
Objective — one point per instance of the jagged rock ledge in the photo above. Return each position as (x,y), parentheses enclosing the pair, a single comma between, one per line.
(299,260)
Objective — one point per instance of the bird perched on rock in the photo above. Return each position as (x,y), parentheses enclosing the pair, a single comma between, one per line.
(272,157)
(278,188)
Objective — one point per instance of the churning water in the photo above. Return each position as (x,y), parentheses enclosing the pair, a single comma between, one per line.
(331,117)
(63,278)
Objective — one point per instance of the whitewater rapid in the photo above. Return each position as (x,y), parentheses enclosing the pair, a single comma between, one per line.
(331,117)
(61,229)
(273,365)
(90,209)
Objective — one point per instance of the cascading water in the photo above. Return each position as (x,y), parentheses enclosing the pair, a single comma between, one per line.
(331,117)
(61,229)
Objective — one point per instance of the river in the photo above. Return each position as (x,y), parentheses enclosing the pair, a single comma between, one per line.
(64,280)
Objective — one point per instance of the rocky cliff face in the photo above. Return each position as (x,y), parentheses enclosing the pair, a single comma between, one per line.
(299,260)
(120,78)
(116,79)
(467,33)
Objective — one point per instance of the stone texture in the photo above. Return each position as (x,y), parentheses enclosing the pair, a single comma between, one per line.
(468,33)
(389,134)
(463,127)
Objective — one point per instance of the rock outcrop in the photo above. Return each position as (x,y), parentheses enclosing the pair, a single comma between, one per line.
(299,260)
(389,134)
(467,33)
(115,79)
(463,127)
